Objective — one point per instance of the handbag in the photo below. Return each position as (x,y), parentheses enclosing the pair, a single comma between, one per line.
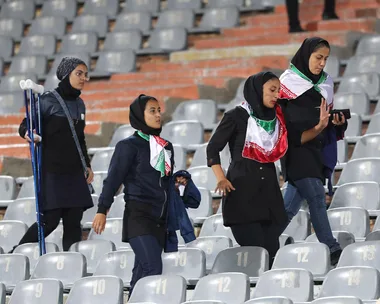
(71,123)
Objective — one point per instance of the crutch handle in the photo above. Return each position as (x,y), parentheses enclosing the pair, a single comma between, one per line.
(23,85)
(39,89)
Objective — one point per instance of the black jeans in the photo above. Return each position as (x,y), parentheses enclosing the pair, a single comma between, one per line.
(72,229)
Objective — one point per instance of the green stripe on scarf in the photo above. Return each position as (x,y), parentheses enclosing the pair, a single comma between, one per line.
(316,86)
(268,125)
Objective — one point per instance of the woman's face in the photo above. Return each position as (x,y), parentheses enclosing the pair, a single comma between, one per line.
(78,77)
(271,89)
(318,60)
(152,114)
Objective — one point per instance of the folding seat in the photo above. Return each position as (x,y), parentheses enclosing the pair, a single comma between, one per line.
(361,254)
(215,19)
(118,263)
(21,9)
(38,291)
(176,18)
(101,160)
(342,146)
(180,157)
(27,189)
(213,226)
(117,208)
(12,28)
(11,83)
(362,64)
(67,267)
(200,157)
(293,283)
(89,214)
(229,287)
(112,232)
(361,82)
(332,68)
(7,186)
(368,45)
(141,21)
(56,237)
(60,8)
(351,219)
(188,133)
(373,236)
(184,4)
(204,177)
(151,6)
(6,48)
(374,125)
(338,300)
(225,3)
(314,257)
(23,210)
(344,238)
(251,260)
(51,82)
(121,133)
(211,246)
(99,177)
(190,263)
(123,41)
(32,64)
(299,228)
(165,40)
(114,62)
(354,129)
(270,300)
(205,208)
(11,233)
(1,250)
(39,45)
(203,302)
(93,250)
(14,268)
(360,170)
(104,7)
(285,239)
(49,25)
(360,282)
(2,293)
(358,103)
(97,24)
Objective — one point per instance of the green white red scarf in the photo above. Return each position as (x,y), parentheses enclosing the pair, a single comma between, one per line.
(265,141)
(294,83)
(159,156)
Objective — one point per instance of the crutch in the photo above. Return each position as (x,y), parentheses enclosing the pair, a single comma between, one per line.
(33,123)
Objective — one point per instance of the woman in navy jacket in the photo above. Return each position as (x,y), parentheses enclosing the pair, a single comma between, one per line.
(154,210)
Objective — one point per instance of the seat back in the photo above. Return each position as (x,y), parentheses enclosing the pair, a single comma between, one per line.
(14,268)
(11,233)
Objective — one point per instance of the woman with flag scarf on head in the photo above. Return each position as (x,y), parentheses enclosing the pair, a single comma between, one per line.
(154,207)
(312,155)
(255,131)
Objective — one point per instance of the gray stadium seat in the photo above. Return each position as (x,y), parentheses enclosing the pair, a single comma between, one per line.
(373,236)
(180,158)
(190,263)
(23,210)
(332,68)
(43,45)
(363,170)
(224,3)
(11,83)
(13,28)
(203,110)
(359,194)
(60,8)
(200,157)
(374,125)
(38,291)
(122,41)
(103,7)
(7,183)
(351,219)
(358,103)
(251,260)
(49,25)
(6,47)
(118,263)
(338,300)
(56,236)
(117,208)
(33,64)
(160,289)
(51,82)
(89,214)
(2,293)
(99,177)
(101,160)
(368,45)
(354,129)
(211,245)
(67,267)
(361,254)
(176,18)
(299,228)
(93,250)
(203,176)
(377,224)
(14,268)
(342,153)
(344,238)
(114,62)
(285,239)
(314,257)
(270,300)
(11,233)
(363,82)
(184,4)
(213,226)
(151,6)
(112,232)
(97,290)
(121,132)
(229,287)
(360,282)
(97,24)
(27,188)
(203,302)
(165,40)
(32,251)
(218,18)
(362,64)
(22,9)
(295,284)
(189,133)
(204,210)
(1,250)
(141,21)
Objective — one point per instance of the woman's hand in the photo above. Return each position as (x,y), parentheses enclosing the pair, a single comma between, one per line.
(338,120)
(36,137)
(180,180)
(90,176)
(224,186)
(324,115)
(99,223)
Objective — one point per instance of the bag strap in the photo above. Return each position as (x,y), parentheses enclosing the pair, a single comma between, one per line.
(71,123)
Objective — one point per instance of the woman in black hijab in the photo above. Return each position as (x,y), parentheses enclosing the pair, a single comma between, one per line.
(308,92)
(256,134)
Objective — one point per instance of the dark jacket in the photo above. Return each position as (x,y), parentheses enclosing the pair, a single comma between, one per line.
(178,218)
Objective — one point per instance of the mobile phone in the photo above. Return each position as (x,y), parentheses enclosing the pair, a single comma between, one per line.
(346,113)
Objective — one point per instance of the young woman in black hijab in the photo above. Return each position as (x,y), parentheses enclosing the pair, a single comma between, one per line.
(65,193)
(255,131)
(308,92)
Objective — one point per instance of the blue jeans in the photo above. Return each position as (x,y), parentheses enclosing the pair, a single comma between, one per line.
(147,258)
(312,190)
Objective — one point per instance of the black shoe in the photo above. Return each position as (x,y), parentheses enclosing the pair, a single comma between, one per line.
(297,29)
(334,257)
(330,16)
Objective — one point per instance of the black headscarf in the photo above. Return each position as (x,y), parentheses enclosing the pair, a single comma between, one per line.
(301,58)
(136,115)
(253,94)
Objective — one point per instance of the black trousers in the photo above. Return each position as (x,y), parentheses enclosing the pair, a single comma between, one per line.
(262,234)
(292,9)
(72,229)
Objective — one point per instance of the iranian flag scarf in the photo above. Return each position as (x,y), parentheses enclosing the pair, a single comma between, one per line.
(159,156)
(265,141)
(294,83)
